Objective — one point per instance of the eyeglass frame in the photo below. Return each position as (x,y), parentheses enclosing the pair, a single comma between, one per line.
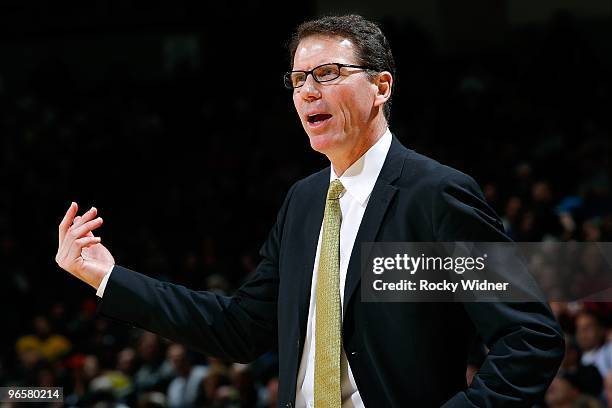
(287,74)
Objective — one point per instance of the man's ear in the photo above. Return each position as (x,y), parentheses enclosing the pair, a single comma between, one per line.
(384,83)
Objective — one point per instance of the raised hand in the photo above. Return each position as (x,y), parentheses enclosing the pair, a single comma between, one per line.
(79,251)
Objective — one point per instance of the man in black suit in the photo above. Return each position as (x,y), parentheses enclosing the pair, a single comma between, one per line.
(304,299)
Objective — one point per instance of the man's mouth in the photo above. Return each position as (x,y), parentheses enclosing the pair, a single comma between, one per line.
(318,118)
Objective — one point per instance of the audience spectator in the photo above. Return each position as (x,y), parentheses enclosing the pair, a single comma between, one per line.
(184,389)
(568,389)
(591,338)
(154,373)
(50,346)
(243,382)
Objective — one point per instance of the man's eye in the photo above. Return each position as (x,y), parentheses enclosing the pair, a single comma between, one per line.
(297,78)
(327,73)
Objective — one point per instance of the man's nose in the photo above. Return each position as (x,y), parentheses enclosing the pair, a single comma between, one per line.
(310,89)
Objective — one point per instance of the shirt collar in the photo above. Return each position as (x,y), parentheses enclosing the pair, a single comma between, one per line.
(360,177)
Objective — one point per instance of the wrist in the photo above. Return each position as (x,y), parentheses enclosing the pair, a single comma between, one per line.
(97,273)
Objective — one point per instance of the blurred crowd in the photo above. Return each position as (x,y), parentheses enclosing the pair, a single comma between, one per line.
(188,170)
(135,368)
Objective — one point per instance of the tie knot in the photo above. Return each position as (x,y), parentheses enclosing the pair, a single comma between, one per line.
(335,189)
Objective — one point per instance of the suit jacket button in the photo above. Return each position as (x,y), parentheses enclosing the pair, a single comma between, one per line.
(289,405)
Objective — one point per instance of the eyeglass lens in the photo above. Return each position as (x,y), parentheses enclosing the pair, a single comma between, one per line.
(323,73)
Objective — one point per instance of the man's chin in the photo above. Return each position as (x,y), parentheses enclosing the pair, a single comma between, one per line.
(321,143)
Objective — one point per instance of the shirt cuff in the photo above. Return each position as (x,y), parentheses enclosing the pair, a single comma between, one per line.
(100,291)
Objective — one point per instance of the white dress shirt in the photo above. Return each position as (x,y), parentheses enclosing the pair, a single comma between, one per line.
(358,181)
(184,391)
(100,291)
(600,358)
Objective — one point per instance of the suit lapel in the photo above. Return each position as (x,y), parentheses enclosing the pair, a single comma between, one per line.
(311,219)
(381,197)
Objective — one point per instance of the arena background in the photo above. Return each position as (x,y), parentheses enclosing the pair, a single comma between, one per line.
(173,121)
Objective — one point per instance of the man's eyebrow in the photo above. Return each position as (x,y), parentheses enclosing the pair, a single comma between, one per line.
(331,61)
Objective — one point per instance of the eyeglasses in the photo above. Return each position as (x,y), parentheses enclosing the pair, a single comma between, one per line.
(322,73)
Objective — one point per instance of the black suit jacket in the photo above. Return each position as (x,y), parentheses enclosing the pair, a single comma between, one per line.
(401,354)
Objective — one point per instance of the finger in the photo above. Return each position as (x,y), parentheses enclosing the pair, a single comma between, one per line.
(85,228)
(77,222)
(67,220)
(67,257)
(78,245)
(75,233)
(88,216)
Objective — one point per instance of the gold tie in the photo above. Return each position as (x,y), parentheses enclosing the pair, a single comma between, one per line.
(328,315)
